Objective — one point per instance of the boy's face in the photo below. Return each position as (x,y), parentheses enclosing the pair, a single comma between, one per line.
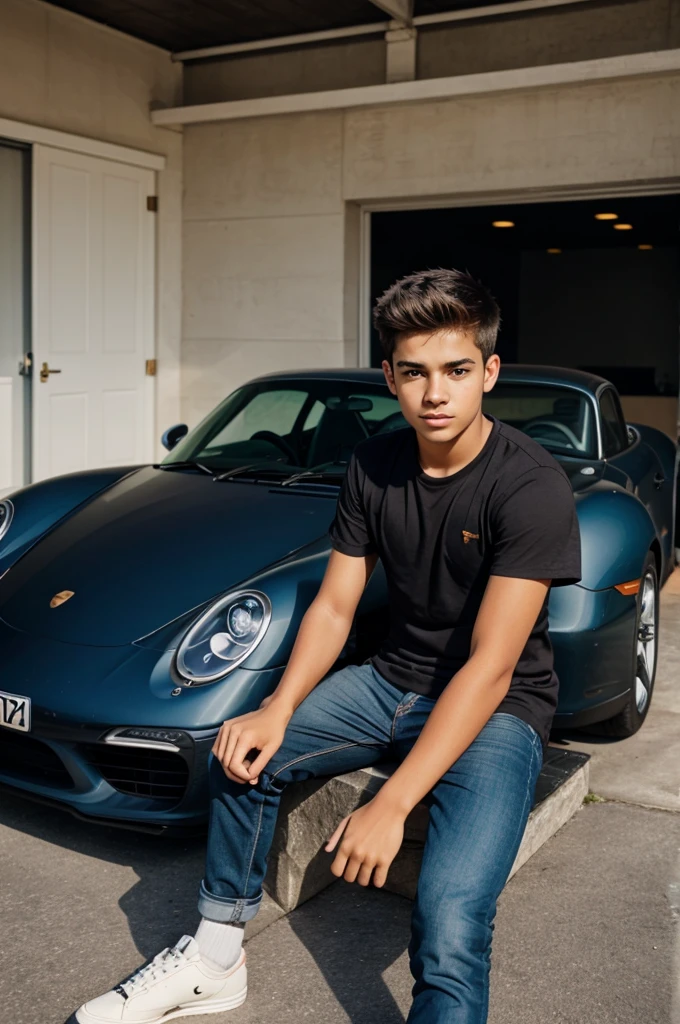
(440,378)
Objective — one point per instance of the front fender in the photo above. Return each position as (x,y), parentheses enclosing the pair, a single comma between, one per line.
(616,533)
(40,506)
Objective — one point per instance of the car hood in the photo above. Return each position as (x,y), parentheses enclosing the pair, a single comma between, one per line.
(152,547)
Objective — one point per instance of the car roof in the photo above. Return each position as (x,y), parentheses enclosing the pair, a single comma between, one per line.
(520,373)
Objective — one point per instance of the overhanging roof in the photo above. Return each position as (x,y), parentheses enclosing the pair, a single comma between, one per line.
(191,24)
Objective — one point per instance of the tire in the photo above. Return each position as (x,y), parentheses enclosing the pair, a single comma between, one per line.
(644,660)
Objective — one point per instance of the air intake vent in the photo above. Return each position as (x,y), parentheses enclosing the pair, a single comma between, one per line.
(140,772)
(26,758)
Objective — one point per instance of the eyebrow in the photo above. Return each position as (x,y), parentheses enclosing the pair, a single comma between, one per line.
(452,365)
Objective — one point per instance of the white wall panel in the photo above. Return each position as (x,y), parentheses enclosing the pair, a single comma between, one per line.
(121,264)
(69,439)
(120,427)
(70,259)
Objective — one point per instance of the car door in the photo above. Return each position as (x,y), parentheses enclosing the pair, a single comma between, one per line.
(625,449)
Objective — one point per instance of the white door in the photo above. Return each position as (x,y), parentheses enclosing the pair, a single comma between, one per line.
(93,313)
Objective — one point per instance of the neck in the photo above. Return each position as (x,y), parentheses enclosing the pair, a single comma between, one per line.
(445,458)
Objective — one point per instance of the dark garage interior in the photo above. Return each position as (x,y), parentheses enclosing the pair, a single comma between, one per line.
(574,290)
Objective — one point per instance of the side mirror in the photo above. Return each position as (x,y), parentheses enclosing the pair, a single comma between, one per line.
(174,434)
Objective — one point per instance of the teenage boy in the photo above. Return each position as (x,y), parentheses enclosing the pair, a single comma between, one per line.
(473,522)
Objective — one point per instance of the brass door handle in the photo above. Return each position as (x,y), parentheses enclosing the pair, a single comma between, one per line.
(45,373)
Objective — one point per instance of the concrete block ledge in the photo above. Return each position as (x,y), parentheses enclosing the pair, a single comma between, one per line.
(299,868)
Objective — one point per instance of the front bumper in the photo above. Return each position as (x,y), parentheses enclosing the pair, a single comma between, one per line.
(148,788)
(79,695)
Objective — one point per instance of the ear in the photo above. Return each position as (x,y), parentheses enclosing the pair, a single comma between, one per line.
(491,371)
(389,376)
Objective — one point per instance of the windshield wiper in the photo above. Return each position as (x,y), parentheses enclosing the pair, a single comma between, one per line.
(307,473)
(256,466)
(188,464)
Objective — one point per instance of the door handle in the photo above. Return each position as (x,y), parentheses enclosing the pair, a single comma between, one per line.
(45,373)
(659,479)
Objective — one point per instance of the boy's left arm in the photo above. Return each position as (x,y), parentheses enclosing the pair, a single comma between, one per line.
(373,833)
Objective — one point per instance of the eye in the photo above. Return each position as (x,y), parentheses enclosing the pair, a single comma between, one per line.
(407,373)
(460,371)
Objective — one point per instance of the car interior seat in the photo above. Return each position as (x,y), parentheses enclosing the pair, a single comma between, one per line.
(336,435)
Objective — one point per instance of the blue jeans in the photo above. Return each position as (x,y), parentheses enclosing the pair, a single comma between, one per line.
(477,816)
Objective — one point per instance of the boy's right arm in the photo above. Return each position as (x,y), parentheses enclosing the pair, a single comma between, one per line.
(321,637)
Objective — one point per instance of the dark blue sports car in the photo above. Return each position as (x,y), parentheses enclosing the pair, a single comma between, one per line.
(141,606)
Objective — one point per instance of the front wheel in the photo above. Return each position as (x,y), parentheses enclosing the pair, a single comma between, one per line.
(645,656)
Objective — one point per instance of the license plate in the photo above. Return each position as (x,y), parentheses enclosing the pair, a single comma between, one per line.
(15,711)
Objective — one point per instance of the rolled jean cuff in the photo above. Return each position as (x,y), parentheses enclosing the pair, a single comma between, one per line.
(224,909)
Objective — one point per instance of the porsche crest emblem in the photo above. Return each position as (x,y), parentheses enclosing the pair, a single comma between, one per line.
(61,597)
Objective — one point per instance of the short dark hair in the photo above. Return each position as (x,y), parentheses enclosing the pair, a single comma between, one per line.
(433,300)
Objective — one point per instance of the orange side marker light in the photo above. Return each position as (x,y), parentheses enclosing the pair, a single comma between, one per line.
(631,587)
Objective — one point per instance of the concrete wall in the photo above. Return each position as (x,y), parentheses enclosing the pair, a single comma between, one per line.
(548,36)
(527,38)
(340,64)
(264,252)
(60,71)
(271,225)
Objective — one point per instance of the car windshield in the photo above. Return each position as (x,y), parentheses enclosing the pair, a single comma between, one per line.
(283,427)
(558,417)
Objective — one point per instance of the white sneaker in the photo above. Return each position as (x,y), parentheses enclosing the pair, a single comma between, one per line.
(176,983)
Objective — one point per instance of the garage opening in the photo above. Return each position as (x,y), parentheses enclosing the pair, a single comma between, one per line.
(589,284)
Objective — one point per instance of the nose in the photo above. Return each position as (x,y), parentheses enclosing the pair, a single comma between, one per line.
(436,392)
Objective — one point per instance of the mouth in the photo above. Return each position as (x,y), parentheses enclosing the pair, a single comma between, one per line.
(437,420)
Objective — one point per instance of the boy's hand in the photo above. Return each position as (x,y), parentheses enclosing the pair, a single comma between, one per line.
(372,837)
(260,732)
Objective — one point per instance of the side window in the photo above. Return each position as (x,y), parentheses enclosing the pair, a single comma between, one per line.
(614,433)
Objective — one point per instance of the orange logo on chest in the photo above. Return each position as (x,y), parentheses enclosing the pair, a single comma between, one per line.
(467,536)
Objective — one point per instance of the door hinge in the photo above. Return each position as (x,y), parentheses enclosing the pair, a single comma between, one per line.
(152,203)
(151,367)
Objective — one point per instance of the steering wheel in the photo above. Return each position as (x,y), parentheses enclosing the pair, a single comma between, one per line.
(391,422)
(573,441)
(287,449)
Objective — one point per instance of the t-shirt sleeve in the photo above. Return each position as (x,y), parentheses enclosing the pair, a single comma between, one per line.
(350,531)
(535,529)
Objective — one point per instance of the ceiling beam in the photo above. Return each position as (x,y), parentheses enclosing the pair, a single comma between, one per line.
(400,10)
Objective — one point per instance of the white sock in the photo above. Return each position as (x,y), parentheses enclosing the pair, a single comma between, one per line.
(219,944)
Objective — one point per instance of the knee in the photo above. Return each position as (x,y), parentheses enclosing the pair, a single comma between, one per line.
(453,933)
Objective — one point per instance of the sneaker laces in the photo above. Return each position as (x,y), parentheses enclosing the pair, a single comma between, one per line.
(162,963)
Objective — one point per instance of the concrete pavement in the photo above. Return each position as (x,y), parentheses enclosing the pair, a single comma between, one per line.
(586,931)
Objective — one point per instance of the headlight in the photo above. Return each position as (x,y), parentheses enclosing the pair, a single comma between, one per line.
(224,636)
(6,516)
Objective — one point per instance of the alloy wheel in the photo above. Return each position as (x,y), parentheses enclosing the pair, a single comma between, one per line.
(646,643)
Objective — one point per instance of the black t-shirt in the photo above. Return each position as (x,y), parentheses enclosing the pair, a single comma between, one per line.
(509,512)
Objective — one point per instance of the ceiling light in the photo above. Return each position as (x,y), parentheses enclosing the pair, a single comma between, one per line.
(553,250)
(606,216)
(645,246)
(504,223)
(623,227)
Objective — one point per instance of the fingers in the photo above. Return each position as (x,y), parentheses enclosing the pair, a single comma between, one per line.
(380,875)
(243,745)
(330,845)
(260,761)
